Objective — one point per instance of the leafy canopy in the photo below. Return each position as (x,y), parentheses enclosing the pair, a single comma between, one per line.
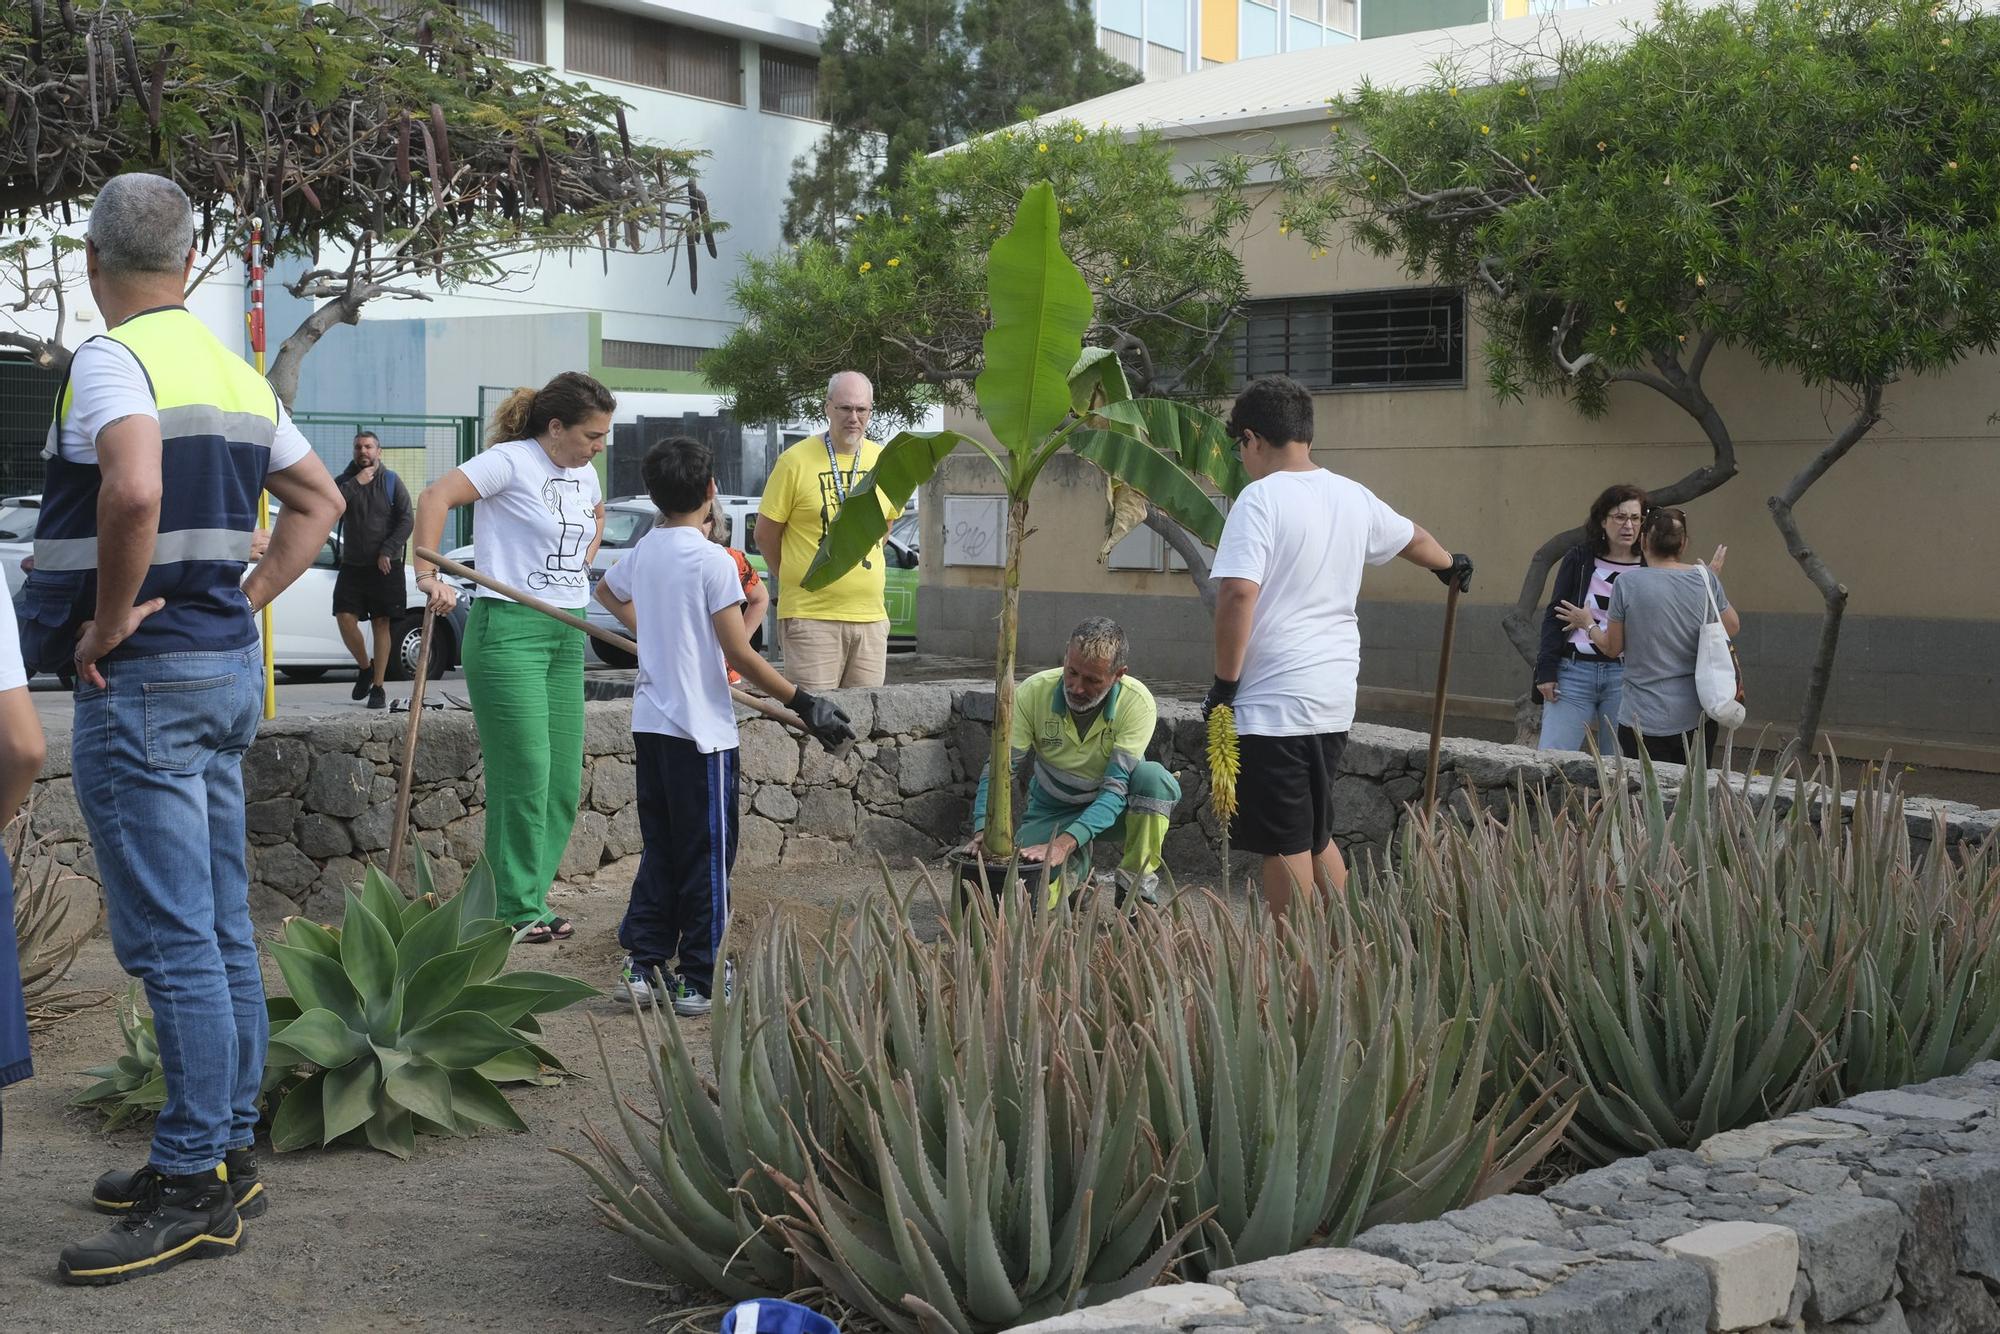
(1816,183)
(902,296)
(902,79)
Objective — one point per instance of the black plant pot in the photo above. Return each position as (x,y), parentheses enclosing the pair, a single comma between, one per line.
(975,874)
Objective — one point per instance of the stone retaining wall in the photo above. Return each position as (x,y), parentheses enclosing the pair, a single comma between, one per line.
(321,792)
(1879,1216)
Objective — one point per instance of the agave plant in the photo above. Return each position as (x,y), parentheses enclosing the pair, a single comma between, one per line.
(48,944)
(133,1086)
(405,1020)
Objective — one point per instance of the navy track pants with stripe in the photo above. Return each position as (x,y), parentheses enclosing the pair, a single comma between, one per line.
(680,898)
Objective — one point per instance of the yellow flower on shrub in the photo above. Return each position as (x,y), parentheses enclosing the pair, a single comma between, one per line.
(1223,762)
(896,263)
(865,267)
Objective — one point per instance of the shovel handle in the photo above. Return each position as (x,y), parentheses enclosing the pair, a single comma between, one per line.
(769,708)
(1437,704)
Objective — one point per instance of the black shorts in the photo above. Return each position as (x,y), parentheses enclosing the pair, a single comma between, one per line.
(1284,793)
(366,592)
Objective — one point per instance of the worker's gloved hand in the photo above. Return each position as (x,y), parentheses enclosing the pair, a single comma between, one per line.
(1458,572)
(829,725)
(1222,692)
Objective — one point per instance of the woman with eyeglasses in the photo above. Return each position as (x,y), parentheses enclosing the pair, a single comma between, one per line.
(1654,621)
(1579,686)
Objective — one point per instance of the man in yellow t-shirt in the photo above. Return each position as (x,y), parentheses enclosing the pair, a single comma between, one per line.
(838,635)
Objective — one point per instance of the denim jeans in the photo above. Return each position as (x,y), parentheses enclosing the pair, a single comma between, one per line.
(1586,694)
(157,758)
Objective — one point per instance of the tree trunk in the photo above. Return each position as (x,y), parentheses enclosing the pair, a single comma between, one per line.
(50,356)
(1832,592)
(284,369)
(1000,783)
(1188,547)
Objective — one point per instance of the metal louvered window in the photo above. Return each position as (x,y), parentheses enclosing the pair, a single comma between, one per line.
(1357,340)
(788,83)
(622,354)
(668,56)
(519,21)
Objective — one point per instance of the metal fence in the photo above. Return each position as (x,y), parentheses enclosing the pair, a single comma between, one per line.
(419,450)
(27,404)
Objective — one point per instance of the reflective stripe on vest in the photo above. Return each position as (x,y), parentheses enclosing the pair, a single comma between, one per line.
(218,420)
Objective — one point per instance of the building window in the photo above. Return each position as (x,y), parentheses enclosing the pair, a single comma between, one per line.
(788,83)
(519,21)
(1357,340)
(1164,62)
(1257,30)
(668,56)
(1126,16)
(1343,16)
(620,354)
(1167,24)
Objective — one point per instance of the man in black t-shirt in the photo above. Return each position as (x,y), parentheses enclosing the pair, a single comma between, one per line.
(370,584)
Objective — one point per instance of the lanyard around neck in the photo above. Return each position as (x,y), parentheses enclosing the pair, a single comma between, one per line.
(840,488)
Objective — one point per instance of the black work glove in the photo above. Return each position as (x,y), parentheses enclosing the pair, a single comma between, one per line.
(827,722)
(1458,572)
(1222,692)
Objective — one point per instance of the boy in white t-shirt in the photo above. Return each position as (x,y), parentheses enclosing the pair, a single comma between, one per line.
(1287,645)
(682,597)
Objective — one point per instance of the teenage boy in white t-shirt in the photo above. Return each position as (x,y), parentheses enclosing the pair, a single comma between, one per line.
(682,597)
(1287,646)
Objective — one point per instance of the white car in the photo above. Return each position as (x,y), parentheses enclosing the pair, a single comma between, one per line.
(306,641)
(17,537)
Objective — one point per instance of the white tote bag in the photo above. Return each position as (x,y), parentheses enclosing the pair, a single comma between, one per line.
(1715,665)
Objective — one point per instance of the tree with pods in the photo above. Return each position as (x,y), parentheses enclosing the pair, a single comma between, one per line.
(395,141)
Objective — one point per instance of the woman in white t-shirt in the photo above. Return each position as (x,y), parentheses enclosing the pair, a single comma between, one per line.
(538,515)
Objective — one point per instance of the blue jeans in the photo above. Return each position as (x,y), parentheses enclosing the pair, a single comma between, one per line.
(157,758)
(1586,695)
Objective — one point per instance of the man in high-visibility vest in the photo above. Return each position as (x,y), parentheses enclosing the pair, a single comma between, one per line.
(162,440)
(1082,729)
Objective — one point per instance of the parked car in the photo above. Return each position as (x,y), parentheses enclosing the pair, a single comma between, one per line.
(306,640)
(17,537)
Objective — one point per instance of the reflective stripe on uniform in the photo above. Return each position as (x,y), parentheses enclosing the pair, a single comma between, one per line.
(80,553)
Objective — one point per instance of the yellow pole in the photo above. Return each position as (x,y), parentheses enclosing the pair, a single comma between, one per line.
(263,497)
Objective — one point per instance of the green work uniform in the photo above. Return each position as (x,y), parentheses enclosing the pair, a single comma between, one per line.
(1082,785)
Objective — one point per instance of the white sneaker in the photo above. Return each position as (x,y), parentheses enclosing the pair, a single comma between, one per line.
(632,984)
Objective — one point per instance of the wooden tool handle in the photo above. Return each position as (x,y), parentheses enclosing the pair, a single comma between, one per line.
(769,708)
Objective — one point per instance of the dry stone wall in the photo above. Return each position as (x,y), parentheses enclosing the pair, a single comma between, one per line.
(1879,1216)
(320,793)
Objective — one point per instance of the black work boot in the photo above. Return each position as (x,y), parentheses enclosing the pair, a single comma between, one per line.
(170,1219)
(115,1191)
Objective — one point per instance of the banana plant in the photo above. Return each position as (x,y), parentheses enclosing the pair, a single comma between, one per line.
(405,1020)
(1042,391)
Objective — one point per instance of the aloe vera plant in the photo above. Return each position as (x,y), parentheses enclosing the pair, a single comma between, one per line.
(47,942)
(405,1020)
(133,1086)
(947,1137)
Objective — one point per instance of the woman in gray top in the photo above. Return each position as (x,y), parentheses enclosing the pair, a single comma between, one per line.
(1655,620)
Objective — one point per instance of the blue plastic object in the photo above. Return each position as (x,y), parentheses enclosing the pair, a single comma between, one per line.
(773,1316)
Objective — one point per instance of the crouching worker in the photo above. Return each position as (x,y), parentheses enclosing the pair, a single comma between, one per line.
(682,599)
(1086,726)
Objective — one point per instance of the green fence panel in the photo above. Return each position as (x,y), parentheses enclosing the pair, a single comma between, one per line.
(417,449)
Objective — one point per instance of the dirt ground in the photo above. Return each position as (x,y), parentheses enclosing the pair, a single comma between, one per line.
(490,1233)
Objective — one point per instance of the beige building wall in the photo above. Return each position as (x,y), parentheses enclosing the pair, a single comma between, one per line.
(1907,521)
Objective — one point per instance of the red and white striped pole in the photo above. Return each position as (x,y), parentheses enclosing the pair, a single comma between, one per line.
(263,497)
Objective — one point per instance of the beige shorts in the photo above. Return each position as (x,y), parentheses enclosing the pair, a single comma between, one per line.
(830,655)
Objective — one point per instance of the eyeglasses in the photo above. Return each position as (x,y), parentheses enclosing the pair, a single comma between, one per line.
(853,411)
(1238,439)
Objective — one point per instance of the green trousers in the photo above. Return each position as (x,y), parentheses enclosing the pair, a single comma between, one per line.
(1149,807)
(524,672)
